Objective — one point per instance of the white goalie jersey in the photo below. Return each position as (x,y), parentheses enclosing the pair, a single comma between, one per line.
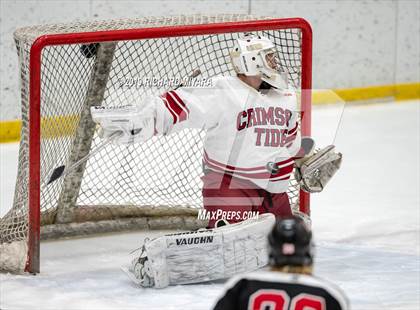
(246,129)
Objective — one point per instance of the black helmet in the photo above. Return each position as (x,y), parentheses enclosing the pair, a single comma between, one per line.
(290,243)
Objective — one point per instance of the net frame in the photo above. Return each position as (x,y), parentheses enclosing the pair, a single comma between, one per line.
(49,37)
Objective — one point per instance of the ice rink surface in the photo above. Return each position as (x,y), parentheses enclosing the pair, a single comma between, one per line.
(366,226)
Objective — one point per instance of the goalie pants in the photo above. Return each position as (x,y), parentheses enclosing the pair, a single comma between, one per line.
(235,200)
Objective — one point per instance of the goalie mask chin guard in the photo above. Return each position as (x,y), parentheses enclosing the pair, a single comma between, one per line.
(290,243)
(256,55)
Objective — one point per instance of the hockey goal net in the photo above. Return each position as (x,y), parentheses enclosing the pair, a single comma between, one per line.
(66,68)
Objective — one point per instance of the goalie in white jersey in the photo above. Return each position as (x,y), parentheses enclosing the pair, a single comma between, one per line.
(250,120)
(252,138)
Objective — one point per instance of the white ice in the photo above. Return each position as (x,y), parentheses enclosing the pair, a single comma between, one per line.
(366,225)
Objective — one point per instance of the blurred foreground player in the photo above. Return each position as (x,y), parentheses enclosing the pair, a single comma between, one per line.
(289,285)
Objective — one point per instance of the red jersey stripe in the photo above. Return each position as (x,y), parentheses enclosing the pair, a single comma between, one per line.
(184,112)
(176,108)
(283,163)
(260,176)
(179,100)
(293,131)
(290,139)
(175,117)
(286,177)
(287,169)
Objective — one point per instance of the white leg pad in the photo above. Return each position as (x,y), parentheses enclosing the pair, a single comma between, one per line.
(209,254)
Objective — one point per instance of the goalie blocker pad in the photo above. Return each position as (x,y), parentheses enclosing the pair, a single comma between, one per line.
(207,254)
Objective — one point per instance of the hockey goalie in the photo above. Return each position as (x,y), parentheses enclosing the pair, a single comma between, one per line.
(251,148)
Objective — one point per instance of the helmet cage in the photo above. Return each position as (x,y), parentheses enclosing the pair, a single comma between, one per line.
(258,56)
(272,71)
(271,60)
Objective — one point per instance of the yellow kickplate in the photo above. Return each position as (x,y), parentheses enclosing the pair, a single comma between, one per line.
(51,127)
(397,92)
(10,131)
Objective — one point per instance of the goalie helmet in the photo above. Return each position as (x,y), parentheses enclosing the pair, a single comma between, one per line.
(290,243)
(257,55)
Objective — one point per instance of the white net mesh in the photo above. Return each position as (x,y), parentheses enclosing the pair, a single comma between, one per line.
(121,181)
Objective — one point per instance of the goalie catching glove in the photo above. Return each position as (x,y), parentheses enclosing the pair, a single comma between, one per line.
(313,172)
(134,122)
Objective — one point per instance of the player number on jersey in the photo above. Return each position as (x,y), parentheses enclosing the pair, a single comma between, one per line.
(280,300)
